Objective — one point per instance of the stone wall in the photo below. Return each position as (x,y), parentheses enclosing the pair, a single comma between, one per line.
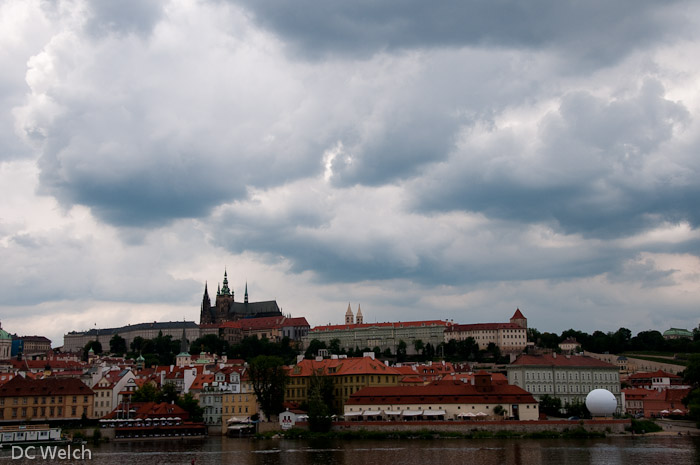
(608,426)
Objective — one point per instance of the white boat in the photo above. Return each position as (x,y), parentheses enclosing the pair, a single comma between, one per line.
(27,435)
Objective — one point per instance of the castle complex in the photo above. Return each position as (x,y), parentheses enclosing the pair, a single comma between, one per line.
(227,309)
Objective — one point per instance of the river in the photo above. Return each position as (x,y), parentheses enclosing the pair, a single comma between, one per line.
(667,450)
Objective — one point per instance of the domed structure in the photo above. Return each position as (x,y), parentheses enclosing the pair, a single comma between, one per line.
(5,344)
(601,403)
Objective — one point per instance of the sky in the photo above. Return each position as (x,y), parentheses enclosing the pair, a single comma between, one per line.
(451,161)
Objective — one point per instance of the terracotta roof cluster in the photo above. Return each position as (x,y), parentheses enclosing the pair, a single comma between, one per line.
(561,361)
(145,410)
(20,386)
(400,324)
(342,366)
(655,374)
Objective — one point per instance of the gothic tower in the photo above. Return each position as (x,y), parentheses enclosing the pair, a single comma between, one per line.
(349,317)
(205,313)
(224,299)
(358,318)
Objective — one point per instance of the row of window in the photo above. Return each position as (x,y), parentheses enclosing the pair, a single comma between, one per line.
(35,400)
(41,412)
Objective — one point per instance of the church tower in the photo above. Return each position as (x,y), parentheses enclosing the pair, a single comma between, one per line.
(205,313)
(519,319)
(349,317)
(224,299)
(358,318)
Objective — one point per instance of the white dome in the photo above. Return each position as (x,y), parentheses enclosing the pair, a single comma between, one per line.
(601,403)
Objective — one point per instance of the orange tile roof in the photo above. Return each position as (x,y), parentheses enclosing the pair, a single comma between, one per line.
(342,366)
(483,327)
(445,392)
(518,315)
(200,380)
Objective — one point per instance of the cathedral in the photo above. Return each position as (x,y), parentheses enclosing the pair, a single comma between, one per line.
(227,309)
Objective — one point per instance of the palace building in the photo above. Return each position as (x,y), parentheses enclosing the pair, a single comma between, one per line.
(225,307)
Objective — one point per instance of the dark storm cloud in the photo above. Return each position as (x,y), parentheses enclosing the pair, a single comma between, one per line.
(379,250)
(603,169)
(594,31)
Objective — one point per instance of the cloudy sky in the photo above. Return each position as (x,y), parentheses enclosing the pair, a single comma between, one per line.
(454,160)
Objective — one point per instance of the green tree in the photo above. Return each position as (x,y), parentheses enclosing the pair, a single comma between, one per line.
(137,344)
(210,343)
(95,346)
(377,351)
(168,393)
(576,408)
(146,393)
(320,403)
(314,346)
(387,353)
(117,345)
(550,405)
(418,346)
(401,351)
(191,406)
(334,346)
(269,379)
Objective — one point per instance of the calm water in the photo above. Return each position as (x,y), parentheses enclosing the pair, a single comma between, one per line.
(625,450)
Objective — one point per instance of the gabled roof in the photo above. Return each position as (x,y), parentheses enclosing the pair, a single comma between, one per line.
(445,392)
(483,327)
(655,374)
(20,386)
(296,321)
(343,366)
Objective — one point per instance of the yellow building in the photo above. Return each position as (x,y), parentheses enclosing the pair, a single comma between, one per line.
(240,405)
(24,399)
(349,375)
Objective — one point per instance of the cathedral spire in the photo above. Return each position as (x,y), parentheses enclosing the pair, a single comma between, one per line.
(245,298)
(183,340)
(225,290)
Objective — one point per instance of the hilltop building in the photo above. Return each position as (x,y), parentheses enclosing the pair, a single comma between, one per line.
(678,333)
(75,340)
(360,335)
(225,307)
(508,337)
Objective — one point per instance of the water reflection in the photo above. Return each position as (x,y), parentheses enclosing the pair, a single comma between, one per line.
(622,450)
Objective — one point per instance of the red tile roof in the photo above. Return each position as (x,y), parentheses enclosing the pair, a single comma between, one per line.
(445,392)
(145,410)
(483,327)
(343,366)
(20,386)
(296,321)
(518,315)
